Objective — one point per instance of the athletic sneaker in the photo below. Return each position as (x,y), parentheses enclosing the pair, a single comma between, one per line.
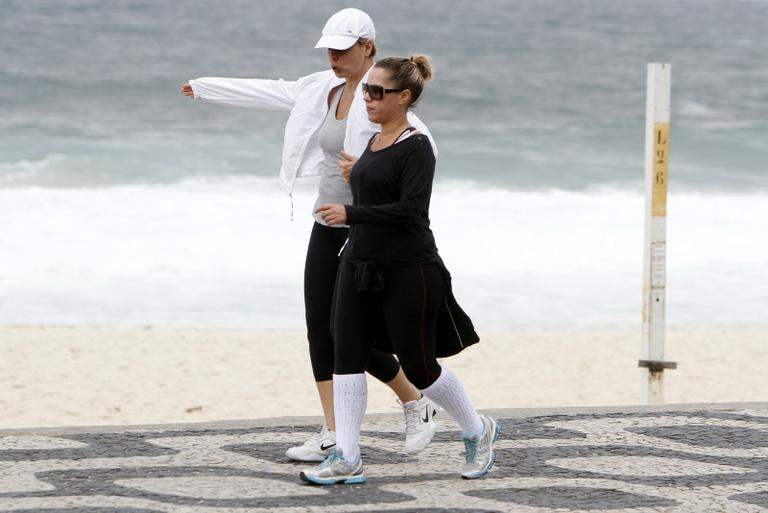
(335,470)
(479,455)
(420,426)
(317,448)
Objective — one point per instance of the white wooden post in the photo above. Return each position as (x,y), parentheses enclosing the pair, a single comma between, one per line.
(655,248)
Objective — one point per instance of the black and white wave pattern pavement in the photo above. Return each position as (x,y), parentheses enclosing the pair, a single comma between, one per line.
(672,461)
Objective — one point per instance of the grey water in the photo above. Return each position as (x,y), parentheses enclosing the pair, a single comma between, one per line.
(533,95)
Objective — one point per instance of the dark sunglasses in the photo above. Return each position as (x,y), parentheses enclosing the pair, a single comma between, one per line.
(376,92)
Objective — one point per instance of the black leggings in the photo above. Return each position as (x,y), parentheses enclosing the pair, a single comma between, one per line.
(319,279)
(409,303)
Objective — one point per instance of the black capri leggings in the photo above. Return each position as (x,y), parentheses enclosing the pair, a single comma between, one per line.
(409,302)
(319,280)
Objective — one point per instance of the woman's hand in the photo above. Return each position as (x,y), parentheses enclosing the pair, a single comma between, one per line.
(346,163)
(187,90)
(333,214)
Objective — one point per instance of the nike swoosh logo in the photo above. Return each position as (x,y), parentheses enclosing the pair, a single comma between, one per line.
(326,447)
(426,414)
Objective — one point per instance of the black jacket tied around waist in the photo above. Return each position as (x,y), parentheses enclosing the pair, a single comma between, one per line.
(455,330)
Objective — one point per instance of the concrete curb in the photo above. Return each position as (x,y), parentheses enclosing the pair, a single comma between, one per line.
(507,413)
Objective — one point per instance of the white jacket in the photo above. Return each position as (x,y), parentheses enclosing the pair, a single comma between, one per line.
(307,101)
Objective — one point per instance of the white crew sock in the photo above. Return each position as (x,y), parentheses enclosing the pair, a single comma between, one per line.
(449,393)
(350,398)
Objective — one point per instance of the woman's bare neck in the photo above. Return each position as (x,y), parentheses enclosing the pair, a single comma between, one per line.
(353,81)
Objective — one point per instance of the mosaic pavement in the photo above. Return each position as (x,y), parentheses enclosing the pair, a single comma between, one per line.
(685,459)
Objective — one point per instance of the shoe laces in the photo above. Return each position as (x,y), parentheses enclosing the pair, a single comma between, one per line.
(470,449)
(412,417)
(330,459)
(317,438)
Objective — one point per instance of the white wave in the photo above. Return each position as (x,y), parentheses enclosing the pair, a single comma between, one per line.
(25,170)
(730,124)
(695,109)
(207,252)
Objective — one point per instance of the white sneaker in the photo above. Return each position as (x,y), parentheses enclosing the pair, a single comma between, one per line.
(317,448)
(479,454)
(420,426)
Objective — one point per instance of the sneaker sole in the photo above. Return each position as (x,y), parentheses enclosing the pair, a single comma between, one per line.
(487,468)
(309,458)
(332,481)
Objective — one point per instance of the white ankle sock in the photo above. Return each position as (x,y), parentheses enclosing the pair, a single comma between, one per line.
(350,398)
(449,393)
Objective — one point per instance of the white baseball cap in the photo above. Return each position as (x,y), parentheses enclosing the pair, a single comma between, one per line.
(344,28)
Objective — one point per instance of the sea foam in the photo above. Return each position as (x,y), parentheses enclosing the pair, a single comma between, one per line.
(226,252)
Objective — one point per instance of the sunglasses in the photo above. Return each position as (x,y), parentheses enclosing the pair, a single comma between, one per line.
(377,92)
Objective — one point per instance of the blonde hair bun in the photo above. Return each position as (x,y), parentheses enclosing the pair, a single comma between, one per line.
(423,64)
(408,72)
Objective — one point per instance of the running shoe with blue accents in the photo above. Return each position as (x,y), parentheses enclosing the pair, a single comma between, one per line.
(479,454)
(335,470)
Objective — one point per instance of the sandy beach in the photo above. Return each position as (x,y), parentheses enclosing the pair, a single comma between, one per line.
(58,376)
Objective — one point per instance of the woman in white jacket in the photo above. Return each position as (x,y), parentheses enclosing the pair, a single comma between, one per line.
(328,125)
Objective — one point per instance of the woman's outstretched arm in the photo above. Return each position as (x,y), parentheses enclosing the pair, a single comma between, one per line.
(243,92)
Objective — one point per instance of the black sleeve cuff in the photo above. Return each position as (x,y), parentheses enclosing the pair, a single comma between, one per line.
(350,211)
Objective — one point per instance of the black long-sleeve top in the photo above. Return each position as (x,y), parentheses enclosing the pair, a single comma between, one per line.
(391,189)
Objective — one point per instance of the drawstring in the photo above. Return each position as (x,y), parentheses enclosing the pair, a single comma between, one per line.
(291,195)
(342,247)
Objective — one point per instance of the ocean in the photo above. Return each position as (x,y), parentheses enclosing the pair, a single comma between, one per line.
(124,203)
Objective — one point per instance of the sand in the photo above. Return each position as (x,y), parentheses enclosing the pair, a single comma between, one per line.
(57,376)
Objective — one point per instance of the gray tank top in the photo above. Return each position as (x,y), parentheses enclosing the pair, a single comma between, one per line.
(333,188)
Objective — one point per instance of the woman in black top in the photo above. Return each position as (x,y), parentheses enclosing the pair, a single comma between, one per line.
(390,268)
